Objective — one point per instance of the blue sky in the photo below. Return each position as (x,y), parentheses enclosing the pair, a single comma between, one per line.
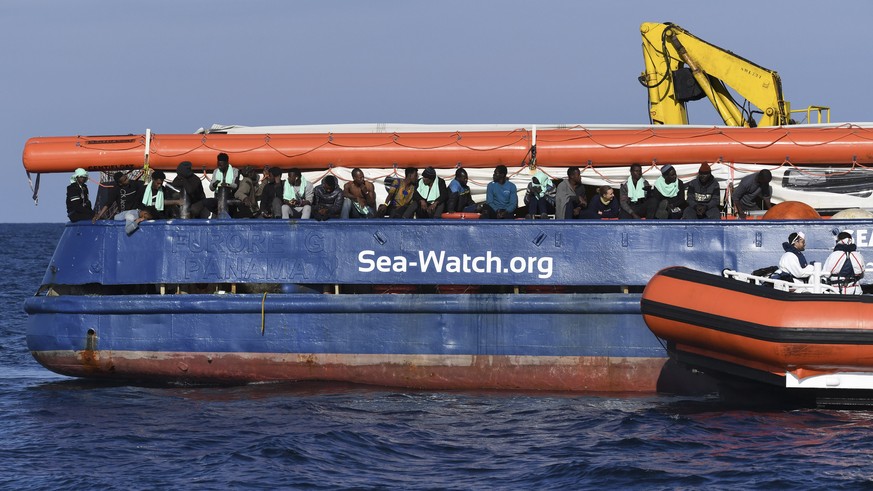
(117,67)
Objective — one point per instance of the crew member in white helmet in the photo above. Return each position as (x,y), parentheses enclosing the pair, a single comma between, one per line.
(845,265)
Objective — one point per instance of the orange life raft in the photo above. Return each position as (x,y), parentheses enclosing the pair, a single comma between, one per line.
(845,145)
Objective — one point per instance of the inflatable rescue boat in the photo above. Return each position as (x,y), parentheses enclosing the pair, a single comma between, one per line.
(728,327)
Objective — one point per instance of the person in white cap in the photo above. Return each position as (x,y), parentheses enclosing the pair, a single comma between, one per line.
(845,266)
(78,202)
(793,265)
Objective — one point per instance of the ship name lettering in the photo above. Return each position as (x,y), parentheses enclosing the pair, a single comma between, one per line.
(236,242)
(440,262)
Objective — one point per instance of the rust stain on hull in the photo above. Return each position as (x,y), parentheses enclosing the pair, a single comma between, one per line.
(436,372)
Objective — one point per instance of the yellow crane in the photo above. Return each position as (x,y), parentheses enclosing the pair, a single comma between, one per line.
(681,67)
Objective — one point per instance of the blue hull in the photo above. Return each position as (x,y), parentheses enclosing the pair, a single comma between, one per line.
(554,342)
(111,304)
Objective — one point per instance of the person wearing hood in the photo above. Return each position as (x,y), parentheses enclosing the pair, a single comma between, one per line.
(537,196)
(78,202)
(669,194)
(192,188)
(793,265)
(845,265)
(703,193)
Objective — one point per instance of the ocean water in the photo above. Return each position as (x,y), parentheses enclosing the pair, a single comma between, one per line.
(60,433)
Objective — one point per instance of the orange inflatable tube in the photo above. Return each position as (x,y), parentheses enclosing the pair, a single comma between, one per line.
(757,326)
(841,145)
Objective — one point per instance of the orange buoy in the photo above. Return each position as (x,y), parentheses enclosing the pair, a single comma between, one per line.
(792,210)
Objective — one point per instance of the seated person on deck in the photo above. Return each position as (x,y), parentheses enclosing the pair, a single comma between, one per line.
(297,196)
(191,187)
(537,196)
(154,196)
(460,198)
(270,190)
(360,197)
(224,184)
(327,199)
(703,193)
(247,193)
(635,196)
(400,203)
(603,205)
(431,195)
(570,196)
(753,193)
(501,196)
(123,195)
(669,194)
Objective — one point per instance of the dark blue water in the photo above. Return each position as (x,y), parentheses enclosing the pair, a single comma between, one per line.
(60,433)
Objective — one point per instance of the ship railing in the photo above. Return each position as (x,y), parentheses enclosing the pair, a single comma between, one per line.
(817,282)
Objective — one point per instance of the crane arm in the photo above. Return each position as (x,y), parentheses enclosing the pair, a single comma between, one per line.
(681,67)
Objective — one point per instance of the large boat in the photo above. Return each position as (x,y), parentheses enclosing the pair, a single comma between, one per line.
(436,304)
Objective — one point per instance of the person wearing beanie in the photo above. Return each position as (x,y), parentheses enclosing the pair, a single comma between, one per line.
(78,202)
(703,196)
(844,267)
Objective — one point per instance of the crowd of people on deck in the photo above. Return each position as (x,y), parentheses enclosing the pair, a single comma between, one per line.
(247,193)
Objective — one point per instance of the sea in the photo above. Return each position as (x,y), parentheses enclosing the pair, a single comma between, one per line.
(59,433)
